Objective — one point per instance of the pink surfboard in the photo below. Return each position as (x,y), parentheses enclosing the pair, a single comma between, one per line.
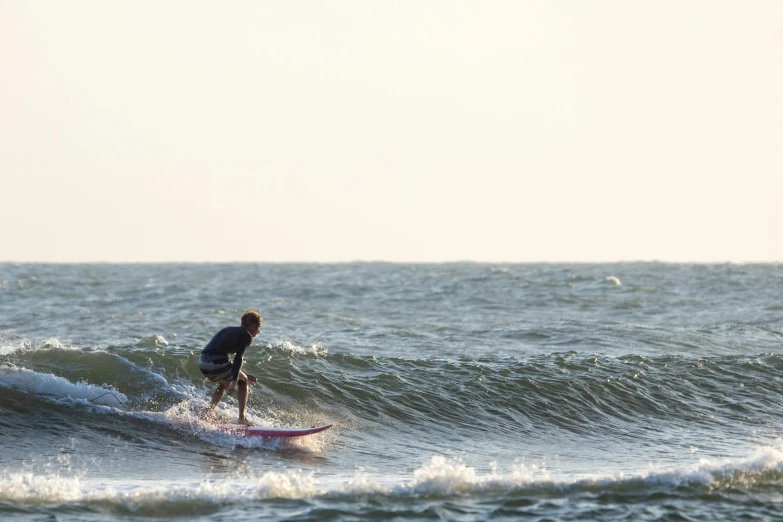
(259,431)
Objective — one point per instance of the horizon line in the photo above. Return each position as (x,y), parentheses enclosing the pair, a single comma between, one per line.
(382,261)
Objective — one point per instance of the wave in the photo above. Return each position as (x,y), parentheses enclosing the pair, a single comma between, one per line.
(438,478)
(53,392)
(59,388)
(572,391)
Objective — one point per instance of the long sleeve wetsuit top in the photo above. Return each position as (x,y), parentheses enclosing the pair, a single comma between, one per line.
(233,339)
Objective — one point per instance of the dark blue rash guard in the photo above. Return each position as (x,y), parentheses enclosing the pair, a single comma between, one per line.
(233,339)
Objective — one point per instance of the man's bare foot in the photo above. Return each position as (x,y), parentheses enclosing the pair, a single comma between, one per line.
(244,422)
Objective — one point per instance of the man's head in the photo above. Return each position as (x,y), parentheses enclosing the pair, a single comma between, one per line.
(252,320)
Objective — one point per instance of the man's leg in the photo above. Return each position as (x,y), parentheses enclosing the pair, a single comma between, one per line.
(242,395)
(217,396)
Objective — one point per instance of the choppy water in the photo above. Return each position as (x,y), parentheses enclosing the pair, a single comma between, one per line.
(458,391)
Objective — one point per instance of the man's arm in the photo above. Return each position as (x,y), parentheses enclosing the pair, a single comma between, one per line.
(237,365)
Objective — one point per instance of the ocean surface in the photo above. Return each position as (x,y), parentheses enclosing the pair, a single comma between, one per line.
(468,392)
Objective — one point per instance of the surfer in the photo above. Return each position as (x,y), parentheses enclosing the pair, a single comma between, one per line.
(216,367)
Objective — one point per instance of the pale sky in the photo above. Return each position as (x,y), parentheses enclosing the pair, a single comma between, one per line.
(340,130)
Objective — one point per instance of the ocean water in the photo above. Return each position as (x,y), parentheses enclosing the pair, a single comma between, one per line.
(638,391)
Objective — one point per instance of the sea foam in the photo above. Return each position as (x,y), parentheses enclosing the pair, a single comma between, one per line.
(291,347)
(8,347)
(56,387)
(439,476)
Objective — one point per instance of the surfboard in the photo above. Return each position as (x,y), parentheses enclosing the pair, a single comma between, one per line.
(260,431)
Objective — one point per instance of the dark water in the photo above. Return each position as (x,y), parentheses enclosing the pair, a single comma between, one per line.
(458,392)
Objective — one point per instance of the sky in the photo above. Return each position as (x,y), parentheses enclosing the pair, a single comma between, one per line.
(404,131)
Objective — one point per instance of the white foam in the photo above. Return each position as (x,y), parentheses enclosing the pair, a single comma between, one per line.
(362,484)
(55,489)
(445,476)
(450,476)
(58,387)
(314,349)
(439,475)
(9,348)
(156,341)
(45,489)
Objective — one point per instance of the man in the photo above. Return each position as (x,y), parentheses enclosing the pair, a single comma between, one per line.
(216,367)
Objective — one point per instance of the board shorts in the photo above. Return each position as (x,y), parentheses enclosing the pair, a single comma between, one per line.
(215,367)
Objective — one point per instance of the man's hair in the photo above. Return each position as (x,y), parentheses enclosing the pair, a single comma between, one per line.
(251,317)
